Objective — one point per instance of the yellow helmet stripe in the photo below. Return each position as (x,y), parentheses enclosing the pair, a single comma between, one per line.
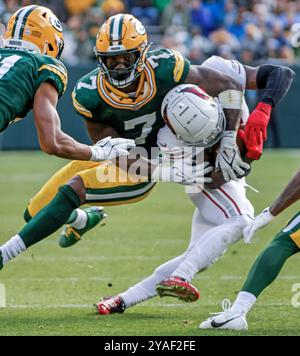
(21,20)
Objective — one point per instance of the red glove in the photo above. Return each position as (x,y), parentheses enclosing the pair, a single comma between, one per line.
(256,126)
(254,152)
(256,130)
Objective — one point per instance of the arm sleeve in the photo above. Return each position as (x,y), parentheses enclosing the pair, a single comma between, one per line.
(56,74)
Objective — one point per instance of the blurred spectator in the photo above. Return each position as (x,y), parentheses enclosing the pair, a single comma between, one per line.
(145,11)
(175,16)
(76,7)
(112,7)
(222,37)
(250,30)
(208,15)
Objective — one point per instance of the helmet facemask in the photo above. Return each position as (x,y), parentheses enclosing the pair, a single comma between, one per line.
(134,64)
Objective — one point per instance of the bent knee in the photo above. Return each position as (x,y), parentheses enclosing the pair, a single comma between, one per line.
(77,184)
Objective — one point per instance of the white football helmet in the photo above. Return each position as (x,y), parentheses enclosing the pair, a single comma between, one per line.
(196,118)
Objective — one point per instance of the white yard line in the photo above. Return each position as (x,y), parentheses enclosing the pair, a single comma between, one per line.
(150,305)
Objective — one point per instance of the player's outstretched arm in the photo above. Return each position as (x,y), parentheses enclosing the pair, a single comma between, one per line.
(276,82)
(289,196)
(55,142)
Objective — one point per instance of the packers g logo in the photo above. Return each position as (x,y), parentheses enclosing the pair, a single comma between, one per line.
(140,29)
(56,23)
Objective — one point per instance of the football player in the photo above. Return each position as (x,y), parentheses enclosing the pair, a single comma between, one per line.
(32,77)
(268,264)
(123,97)
(221,213)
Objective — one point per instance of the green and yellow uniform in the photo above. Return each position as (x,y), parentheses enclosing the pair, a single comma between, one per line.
(271,260)
(136,116)
(293,229)
(21,74)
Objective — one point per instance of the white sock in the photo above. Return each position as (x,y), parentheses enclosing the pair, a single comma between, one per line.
(12,248)
(80,222)
(137,294)
(244,302)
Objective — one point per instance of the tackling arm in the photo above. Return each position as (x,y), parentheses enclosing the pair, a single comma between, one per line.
(52,139)
(289,196)
(55,142)
(215,83)
(276,82)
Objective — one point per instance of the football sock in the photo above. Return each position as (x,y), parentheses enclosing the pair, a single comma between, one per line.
(268,265)
(146,288)
(244,302)
(78,219)
(51,218)
(12,248)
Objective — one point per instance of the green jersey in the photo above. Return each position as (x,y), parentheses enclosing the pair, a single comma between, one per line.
(21,74)
(135,115)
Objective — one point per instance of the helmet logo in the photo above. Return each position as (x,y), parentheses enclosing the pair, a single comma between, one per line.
(140,29)
(56,23)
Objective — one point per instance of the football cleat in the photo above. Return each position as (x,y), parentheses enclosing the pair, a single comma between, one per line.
(179,288)
(1,260)
(70,236)
(229,319)
(110,305)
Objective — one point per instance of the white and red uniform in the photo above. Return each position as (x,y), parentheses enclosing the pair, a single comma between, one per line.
(219,218)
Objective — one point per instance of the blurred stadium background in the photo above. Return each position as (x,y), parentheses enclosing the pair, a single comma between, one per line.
(254,32)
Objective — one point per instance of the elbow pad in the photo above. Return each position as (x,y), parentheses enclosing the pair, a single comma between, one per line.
(275,81)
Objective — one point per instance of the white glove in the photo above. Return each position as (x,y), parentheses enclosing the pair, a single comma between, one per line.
(229,160)
(183,173)
(261,220)
(110,148)
(189,175)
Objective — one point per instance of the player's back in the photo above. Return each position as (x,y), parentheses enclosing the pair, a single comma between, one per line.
(21,74)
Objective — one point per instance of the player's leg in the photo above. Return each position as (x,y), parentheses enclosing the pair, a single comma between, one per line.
(146,288)
(81,220)
(85,187)
(119,188)
(50,189)
(263,272)
(230,210)
(69,197)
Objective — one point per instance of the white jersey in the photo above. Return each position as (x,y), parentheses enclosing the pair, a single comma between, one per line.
(229,200)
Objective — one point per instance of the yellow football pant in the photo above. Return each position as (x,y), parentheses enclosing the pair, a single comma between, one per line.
(121,188)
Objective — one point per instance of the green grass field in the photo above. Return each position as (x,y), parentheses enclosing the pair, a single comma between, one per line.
(50,291)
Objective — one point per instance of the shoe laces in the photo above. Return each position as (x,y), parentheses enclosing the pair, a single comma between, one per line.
(112,303)
(226,305)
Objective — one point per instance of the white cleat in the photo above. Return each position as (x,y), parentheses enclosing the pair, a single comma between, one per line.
(229,319)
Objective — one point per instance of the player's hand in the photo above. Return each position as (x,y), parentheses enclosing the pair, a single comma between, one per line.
(261,220)
(189,174)
(110,148)
(256,127)
(229,160)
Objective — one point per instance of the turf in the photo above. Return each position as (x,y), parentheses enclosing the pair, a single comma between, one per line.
(50,291)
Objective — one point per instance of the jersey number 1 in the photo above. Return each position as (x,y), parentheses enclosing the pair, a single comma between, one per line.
(7,63)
